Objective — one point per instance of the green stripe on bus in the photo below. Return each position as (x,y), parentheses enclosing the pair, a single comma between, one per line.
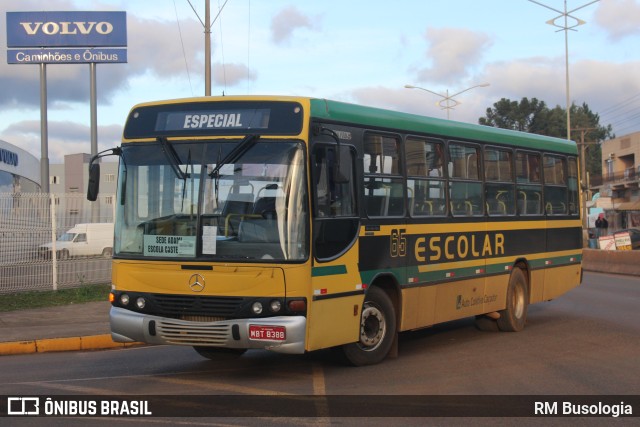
(412,274)
(329,270)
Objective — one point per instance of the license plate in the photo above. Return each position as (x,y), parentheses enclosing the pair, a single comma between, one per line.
(267,333)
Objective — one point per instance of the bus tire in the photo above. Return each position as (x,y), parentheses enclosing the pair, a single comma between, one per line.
(377,330)
(514,316)
(486,324)
(218,353)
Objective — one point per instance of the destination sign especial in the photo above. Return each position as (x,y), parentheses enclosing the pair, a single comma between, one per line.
(217,119)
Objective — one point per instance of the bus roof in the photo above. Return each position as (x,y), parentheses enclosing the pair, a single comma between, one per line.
(342,112)
(393,120)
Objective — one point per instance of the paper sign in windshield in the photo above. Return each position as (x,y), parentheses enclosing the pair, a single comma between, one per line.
(169,246)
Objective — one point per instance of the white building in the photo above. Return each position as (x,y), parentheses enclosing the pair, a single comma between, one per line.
(19,170)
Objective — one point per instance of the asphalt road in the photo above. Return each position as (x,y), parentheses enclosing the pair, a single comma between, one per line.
(584,343)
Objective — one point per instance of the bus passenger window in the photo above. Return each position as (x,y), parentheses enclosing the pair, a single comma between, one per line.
(426,183)
(555,185)
(573,186)
(527,167)
(499,188)
(465,187)
(383,182)
(528,182)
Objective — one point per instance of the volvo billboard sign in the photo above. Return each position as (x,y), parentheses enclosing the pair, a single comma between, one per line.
(65,38)
(66,29)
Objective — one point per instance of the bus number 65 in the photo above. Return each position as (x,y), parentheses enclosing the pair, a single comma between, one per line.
(398,242)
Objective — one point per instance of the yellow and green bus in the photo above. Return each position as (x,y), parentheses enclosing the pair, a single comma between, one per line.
(295,224)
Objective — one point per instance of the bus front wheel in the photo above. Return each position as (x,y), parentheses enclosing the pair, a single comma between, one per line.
(514,316)
(377,330)
(218,353)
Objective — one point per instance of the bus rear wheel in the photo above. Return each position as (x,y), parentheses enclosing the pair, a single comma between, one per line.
(377,330)
(514,316)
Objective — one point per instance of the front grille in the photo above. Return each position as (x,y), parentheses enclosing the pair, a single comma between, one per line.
(181,305)
(188,333)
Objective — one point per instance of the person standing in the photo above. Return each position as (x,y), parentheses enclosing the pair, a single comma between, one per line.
(601,225)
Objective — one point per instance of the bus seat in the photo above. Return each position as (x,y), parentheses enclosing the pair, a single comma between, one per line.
(241,203)
(496,207)
(535,205)
(258,230)
(234,208)
(265,206)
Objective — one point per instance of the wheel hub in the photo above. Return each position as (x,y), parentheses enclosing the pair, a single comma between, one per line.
(372,328)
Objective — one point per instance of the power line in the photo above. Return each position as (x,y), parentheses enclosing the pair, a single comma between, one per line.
(224,68)
(184,54)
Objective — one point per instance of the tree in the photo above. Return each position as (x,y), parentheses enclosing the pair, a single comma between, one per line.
(534,116)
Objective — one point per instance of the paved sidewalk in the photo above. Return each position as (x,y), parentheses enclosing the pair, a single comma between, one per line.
(63,328)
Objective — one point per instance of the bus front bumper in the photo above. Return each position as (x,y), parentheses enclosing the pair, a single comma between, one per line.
(282,334)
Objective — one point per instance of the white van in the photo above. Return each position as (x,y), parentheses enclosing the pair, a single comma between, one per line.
(82,240)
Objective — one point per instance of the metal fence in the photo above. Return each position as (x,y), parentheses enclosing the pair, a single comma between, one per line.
(33,250)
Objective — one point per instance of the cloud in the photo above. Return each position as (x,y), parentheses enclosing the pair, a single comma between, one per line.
(471,105)
(287,21)
(232,74)
(536,77)
(64,137)
(155,49)
(619,18)
(452,52)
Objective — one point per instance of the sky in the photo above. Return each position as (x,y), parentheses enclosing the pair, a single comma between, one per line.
(359,51)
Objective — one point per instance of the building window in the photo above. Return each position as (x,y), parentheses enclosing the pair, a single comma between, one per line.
(54,179)
(109,177)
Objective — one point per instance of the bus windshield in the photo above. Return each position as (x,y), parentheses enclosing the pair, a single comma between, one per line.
(209,200)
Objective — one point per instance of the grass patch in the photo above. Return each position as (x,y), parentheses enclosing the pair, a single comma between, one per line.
(38,299)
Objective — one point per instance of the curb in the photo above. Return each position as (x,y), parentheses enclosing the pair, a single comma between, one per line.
(92,342)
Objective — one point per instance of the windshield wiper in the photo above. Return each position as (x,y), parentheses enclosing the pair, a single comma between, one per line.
(237,152)
(172,157)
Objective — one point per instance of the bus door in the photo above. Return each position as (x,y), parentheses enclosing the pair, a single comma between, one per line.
(334,314)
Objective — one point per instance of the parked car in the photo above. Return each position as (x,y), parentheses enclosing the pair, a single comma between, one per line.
(82,240)
(634,233)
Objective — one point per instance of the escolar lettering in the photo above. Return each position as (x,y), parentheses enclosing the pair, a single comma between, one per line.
(435,248)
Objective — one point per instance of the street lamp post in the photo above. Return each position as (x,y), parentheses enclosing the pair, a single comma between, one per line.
(445,102)
(566,27)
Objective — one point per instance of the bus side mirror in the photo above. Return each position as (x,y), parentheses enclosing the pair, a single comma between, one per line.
(94,182)
(344,166)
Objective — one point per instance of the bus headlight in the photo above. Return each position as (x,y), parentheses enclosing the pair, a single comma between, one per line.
(256,307)
(124,299)
(275,306)
(141,302)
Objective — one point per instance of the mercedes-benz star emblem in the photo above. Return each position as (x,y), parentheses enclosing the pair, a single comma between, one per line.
(196,282)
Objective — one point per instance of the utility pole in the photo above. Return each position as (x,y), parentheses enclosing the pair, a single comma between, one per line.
(207,24)
(584,175)
(566,26)
(207,48)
